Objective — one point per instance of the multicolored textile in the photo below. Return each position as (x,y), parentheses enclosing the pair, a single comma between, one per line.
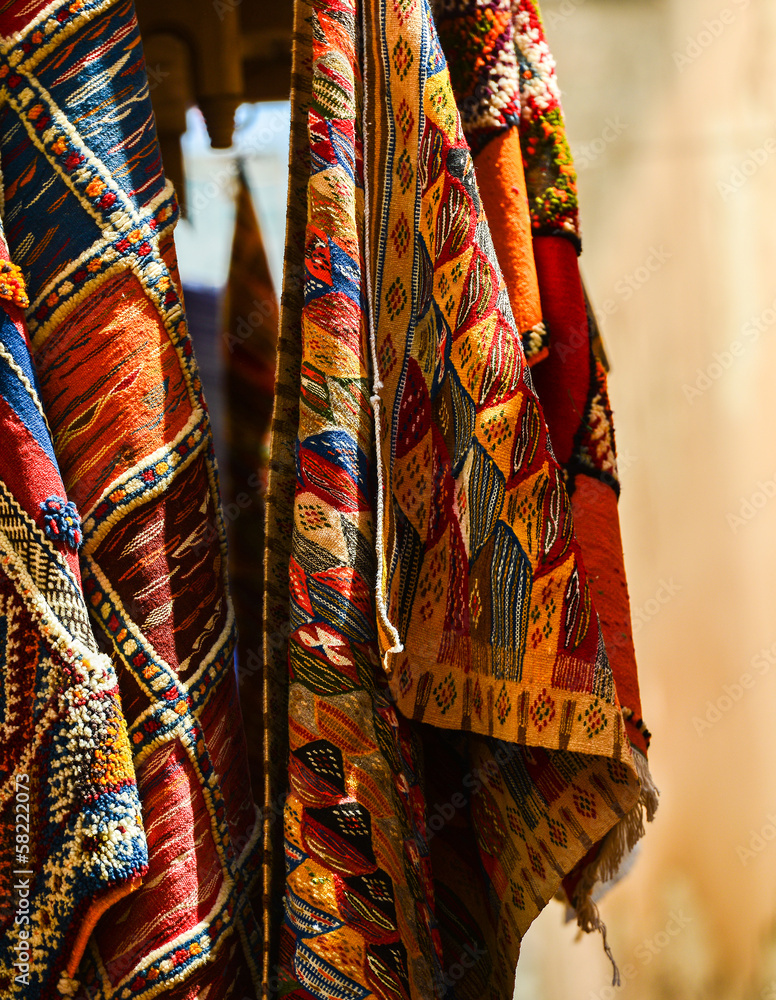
(281,486)
(570,380)
(89,221)
(480,44)
(549,168)
(71,835)
(422,554)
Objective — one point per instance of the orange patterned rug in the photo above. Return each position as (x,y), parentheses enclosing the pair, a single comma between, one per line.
(89,220)
(455,741)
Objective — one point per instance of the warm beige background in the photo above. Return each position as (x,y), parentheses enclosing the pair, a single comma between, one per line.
(683,180)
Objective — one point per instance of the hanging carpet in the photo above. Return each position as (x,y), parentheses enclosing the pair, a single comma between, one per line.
(455,745)
(89,219)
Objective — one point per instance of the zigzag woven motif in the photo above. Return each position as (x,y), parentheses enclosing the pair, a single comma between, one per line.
(475,504)
(89,220)
(421,460)
(479,40)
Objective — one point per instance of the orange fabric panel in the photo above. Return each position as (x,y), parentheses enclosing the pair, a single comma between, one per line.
(93,405)
(501,181)
(597,526)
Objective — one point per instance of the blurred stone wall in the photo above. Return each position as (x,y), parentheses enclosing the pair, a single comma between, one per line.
(671,112)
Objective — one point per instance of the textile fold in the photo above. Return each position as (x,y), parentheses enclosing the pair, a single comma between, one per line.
(89,220)
(445,724)
(499,50)
(456,746)
(70,818)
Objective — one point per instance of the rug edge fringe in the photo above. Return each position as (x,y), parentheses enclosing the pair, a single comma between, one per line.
(615,847)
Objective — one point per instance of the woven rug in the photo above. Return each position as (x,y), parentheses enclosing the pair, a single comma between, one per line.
(455,745)
(508,97)
(89,221)
(583,432)
(71,835)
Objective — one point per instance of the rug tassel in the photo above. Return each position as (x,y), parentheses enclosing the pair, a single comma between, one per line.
(615,971)
(608,950)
